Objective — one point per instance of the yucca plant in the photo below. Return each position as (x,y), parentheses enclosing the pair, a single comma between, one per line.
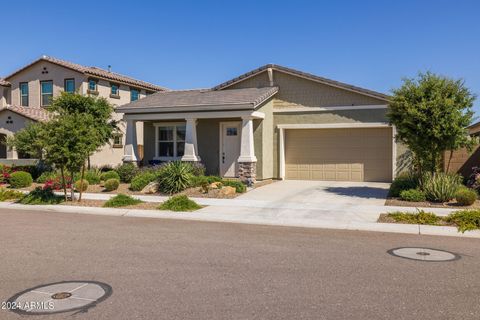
(175,177)
(440,187)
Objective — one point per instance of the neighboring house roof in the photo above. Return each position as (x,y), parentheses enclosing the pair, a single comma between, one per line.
(303,75)
(37,114)
(95,72)
(4,82)
(243,98)
(474,129)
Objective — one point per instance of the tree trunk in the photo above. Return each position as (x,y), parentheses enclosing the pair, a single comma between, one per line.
(72,188)
(88,163)
(81,179)
(449,160)
(64,185)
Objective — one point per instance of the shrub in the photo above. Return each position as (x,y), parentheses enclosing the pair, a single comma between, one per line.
(141,180)
(465,219)
(179,203)
(405,181)
(198,169)
(421,217)
(41,196)
(414,195)
(8,194)
(109,175)
(127,172)
(440,187)
(175,177)
(81,185)
(20,179)
(48,175)
(465,196)
(93,176)
(56,184)
(112,184)
(239,186)
(121,200)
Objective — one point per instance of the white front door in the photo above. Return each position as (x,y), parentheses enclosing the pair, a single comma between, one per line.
(230,133)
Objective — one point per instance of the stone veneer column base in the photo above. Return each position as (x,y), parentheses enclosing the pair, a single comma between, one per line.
(247,171)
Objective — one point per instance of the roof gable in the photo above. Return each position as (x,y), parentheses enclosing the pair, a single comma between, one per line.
(94,72)
(303,75)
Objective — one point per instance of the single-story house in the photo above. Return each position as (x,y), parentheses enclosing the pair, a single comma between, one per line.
(270,123)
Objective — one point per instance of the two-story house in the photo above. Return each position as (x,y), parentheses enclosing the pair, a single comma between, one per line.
(25,93)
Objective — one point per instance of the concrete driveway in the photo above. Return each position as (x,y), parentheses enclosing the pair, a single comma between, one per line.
(339,193)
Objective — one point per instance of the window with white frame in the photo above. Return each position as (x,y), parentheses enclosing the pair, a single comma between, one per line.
(170,139)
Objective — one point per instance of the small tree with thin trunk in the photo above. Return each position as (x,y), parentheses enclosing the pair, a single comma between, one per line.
(431,114)
(80,126)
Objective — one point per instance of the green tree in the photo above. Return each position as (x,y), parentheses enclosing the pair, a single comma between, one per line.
(431,114)
(80,125)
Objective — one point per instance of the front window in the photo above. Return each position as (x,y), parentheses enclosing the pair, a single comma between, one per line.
(134,94)
(70,85)
(92,85)
(170,141)
(117,140)
(46,92)
(24,94)
(114,90)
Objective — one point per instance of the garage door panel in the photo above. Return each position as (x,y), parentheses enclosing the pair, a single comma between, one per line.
(361,154)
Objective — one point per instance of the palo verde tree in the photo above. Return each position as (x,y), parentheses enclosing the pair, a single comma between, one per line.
(431,114)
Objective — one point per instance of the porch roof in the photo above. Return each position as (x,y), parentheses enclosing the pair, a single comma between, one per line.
(200,100)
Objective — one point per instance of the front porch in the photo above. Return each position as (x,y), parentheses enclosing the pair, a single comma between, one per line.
(222,141)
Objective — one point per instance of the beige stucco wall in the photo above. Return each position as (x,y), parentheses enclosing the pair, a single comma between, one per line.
(107,155)
(296,91)
(33,75)
(4,96)
(19,122)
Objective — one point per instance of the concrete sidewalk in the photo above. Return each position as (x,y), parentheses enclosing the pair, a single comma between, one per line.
(257,212)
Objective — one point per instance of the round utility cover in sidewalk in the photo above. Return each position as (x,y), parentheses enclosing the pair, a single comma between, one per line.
(59,297)
(424,254)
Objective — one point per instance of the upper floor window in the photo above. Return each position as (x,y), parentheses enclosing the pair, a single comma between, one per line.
(24,94)
(92,85)
(114,90)
(134,94)
(70,85)
(46,92)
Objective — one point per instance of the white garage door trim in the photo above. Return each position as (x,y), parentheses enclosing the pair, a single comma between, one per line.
(283,127)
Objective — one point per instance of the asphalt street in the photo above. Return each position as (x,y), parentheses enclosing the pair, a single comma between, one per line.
(174,269)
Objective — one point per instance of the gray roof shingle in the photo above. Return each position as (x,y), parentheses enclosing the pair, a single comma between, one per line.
(204,97)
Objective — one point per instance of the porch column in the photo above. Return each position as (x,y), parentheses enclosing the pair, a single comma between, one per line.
(130,149)
(12,153)
(247,162)
(191,149)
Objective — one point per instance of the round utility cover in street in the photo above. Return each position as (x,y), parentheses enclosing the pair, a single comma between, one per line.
(60,297)
(424,254)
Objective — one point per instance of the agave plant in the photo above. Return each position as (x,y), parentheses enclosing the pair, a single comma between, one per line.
(440,187)
(175,177)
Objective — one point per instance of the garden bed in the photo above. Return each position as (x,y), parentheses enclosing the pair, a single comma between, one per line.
(429,204)
(100,203)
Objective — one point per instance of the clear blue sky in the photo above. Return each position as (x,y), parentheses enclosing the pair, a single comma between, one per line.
(191,44)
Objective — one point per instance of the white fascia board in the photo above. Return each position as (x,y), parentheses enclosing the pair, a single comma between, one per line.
(160,109)
(194,115)
(334,125)
(336,108)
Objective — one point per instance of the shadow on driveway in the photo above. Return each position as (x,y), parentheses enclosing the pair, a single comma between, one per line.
(360,192)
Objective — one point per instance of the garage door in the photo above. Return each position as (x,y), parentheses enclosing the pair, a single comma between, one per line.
(360,154)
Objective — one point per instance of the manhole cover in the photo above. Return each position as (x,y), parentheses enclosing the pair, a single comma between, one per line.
(59,297)
(424,254)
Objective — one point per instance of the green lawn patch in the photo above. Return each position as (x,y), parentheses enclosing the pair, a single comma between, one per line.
(41,196)
(121,200)
(179,203)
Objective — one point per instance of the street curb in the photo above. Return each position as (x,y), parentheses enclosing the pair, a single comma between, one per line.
(196,216)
